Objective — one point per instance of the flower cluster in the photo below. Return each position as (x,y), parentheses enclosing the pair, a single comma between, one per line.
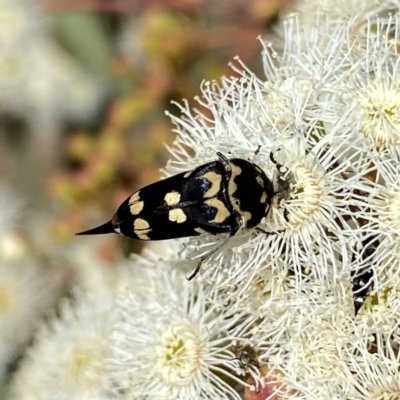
(172,343)
(37,78)
(69,359)
(25,291)
(309,308)
(328,113)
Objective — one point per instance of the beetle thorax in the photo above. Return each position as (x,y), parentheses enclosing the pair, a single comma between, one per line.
(233,191)
(250,191)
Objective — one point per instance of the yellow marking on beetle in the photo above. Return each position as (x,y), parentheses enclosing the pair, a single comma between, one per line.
(201,231)
(141,224)
(187,174)
(143,235)
(172,198)
(263,198)
(135,197)
(117,230)
(232,187)
(215,180)
(135,208)
(177,215)
(222,212)
(260,181)
(141,228)
(236,171)
(245,215)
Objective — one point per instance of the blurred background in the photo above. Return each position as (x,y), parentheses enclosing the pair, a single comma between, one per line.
(84,85)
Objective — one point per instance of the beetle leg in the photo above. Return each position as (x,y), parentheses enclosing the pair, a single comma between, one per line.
(224,161)
(267,233)
(273,160)
(205,257)
(257,150)
(211,252)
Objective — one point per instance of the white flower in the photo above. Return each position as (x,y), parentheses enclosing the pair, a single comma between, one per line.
(69,357)
(57,87)
(25,293)
(19,21)
(354,78)
(380,109)
(13,76)
(370,100)
(373,368)
(84,97)
(343,10)
(20,26)
(172,343)
(379,207)
(37,79)
(303,333)
(10,208)
(91,269)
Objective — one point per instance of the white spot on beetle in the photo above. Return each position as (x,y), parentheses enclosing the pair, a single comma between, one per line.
(201,231)
(260,181)
(263,198)
(172,198)
(141,228)
(135,197)
(177,215)
(135,208)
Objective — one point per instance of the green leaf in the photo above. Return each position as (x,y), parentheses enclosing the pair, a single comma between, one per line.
(85,38)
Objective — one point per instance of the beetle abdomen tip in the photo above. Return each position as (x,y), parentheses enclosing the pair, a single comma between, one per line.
(100,230)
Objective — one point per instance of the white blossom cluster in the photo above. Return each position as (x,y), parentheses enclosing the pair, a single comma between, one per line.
(25,291)
(37,78)
(69,359)
(309,311)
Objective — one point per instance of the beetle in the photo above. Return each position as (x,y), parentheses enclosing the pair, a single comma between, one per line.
(220,196)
